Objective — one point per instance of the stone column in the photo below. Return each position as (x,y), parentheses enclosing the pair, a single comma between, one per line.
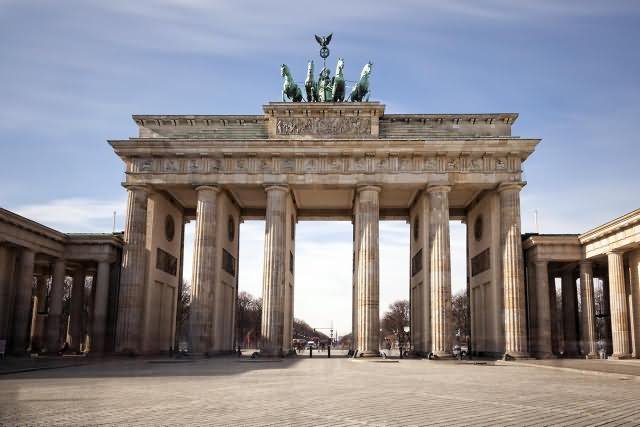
(440,271)
(99,317)
(588,319)
(76,310)
(634,285)
(619,310)
(38,314)
(133,276)
(55,306)
(543,319)
(203,275)
(569,310)
(368,271)
(22,307)
(7,266)
(606,310)
(555,321)
(273,289)
(512,271)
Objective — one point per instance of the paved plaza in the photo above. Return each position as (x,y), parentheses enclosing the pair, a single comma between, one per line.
(318,391)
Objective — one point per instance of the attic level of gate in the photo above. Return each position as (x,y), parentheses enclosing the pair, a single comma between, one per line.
(323,152)
(325,120)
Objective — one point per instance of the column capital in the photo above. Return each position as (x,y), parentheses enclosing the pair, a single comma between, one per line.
(615,252)
(586,263)
(511,186)
(438,188)
(213,188)
(368,187)
(136,187)
(276,187)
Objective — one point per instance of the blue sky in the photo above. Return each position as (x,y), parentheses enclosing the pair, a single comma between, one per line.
(73,72)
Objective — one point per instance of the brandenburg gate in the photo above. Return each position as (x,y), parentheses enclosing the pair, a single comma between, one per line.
(320,161)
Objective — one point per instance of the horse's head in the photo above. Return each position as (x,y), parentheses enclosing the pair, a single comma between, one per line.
(310,68)
(340,67)
(366,70)
(284,70)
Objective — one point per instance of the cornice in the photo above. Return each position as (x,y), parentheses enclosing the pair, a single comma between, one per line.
(611,227)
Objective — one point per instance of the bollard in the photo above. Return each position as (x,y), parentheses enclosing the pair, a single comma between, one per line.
(310,352)
(329,352)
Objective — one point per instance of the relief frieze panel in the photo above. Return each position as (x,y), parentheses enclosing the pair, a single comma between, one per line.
(324,126)
(325,164)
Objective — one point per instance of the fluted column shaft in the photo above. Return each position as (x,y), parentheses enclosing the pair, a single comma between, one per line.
(440,274)
(587,318)
(7,267)
(133,278)
(99,318)
(22,307)
(55,306)
(204,268)
(37,314)
(569,311)
(368,271)
(606,309)
(634,284)
(619,310)
(512,271)
(76,310)
(273,289)
(543,319)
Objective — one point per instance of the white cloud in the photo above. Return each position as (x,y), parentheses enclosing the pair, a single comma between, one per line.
(76,215)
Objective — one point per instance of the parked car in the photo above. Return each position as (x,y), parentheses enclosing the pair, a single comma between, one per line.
(312,344)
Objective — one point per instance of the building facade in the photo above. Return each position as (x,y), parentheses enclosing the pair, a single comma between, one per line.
(321,161)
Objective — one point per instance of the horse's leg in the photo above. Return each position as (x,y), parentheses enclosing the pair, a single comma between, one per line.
(283,95)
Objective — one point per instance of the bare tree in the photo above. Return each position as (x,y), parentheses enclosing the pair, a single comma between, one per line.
(182,314)
(395,319)
(460,313)
(249,318)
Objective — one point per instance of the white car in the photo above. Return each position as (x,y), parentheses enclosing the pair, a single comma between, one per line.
(311,344)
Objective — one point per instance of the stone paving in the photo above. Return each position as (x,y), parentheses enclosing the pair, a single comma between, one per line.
(318,391)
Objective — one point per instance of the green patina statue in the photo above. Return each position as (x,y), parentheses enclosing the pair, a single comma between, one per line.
(310,85)
(289,87)
(360,91)
(326,89)
(325,86)
(337,93)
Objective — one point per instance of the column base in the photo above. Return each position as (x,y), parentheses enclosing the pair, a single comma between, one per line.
(546,355)
(516,356)
(620,356)
(368,354)
(441,355)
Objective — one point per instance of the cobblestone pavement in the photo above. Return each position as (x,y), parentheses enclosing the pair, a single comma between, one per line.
(318,391)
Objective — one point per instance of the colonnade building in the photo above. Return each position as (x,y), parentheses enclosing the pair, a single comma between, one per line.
(40,270)
(327,161)
(574,320)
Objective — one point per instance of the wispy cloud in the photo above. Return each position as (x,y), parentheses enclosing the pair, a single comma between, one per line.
(76,215)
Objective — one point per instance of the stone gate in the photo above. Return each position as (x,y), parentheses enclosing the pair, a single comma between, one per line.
(310,161)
